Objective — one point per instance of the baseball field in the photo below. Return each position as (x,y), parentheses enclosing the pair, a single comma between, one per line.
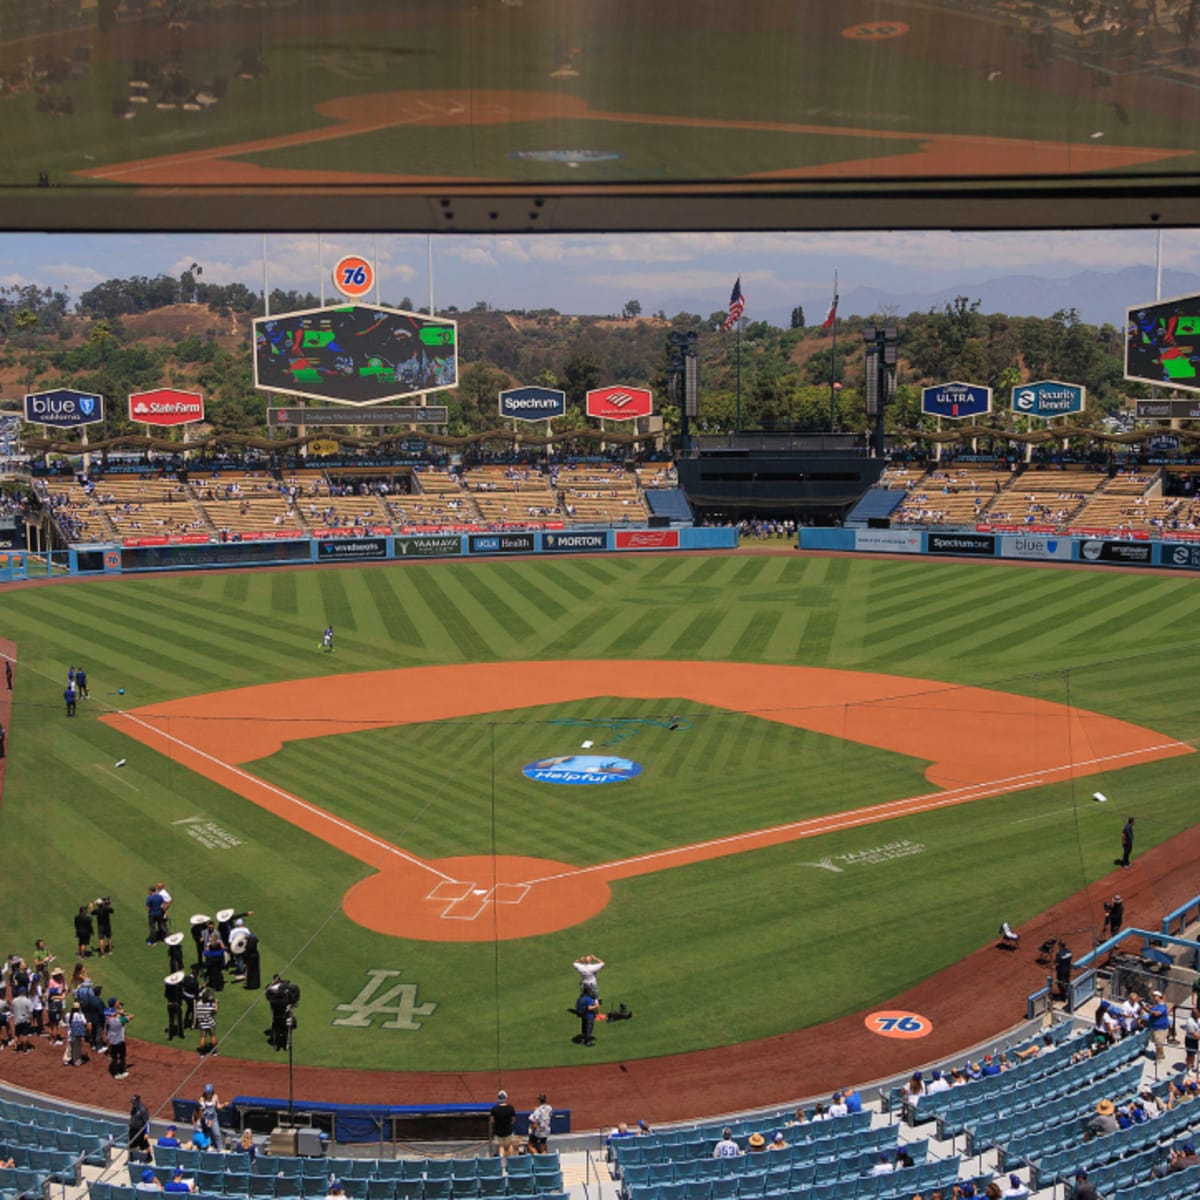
(768,790)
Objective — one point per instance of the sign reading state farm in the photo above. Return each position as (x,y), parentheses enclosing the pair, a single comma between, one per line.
(166,406)
(619,403)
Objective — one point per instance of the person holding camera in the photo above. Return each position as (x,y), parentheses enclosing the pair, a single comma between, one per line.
(282,996)
(1114,917)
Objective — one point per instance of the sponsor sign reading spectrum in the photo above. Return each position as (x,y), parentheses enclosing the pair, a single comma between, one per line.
(356,548)
(962,543)
(894,541)
(166,406)
(619,403)
(64,408)
(532,403)
(574,543)
(581,769)
(1136,554)
(501,543)
(1032,546)
(956,400)
(1048,398)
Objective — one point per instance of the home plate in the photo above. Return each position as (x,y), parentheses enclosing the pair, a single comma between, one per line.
(586,745)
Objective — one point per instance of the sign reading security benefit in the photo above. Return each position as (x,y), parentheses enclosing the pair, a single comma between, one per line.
(64,408)
(619,403)
(1049,398)
(166,406)
(532,403)
(581,769)
(956,400)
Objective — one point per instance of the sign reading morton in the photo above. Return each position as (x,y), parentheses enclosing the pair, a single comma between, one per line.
(1049,398)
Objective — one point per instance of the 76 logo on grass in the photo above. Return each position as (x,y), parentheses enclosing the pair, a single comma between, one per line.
(895,1023)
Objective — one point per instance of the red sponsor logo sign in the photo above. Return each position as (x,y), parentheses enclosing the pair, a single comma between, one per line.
(648,539)
(619,403)
(166,406)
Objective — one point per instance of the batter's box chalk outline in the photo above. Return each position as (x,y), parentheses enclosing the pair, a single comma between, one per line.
(452,890)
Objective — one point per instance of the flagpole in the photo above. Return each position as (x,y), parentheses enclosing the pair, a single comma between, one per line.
(833,362)
(737,423)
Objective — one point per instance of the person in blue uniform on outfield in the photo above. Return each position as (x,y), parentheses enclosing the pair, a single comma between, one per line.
(327,640)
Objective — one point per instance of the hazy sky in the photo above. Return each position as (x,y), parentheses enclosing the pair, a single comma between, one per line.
(598,274)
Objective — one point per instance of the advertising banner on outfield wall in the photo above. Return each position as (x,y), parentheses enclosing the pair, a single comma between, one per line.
(962,543)
(355,549)
(1033,546)
(574,543)
(501,543)
(647,539)
(1187,557)
(1133,554)
(893,541)
(440,545)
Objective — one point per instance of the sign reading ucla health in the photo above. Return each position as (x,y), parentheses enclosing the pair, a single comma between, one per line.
(956,400)
(1049,398)
(64,408)
(532,403)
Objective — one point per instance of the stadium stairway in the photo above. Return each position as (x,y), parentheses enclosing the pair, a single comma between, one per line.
(877,503)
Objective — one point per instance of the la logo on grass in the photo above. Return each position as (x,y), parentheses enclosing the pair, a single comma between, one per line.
(398,1002)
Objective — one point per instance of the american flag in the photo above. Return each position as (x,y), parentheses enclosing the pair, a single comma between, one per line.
(737,305)
(832,315)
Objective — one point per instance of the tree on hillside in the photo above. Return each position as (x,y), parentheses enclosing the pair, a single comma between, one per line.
(26,322)
(936,343)
(633,308)
(580,373)
(797,317)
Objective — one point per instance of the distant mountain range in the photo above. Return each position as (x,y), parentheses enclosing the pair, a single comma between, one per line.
(1100,297)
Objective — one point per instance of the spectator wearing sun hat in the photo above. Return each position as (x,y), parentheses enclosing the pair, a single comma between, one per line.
(757,1143)
(1105,1120)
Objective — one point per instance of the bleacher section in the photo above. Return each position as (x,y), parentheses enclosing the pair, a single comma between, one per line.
(951,495)
(77,515)
(141,506)
(511,495)
(592,494)
(1044,498)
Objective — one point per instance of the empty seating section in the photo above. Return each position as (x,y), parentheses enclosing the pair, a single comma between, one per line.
(951,495)
(511,495)
(1044,498)
(656,475)
(288,1178)
(592,493)
(76,512)
(900,477)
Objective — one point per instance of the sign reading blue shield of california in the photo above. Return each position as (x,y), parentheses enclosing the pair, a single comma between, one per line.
(581,769)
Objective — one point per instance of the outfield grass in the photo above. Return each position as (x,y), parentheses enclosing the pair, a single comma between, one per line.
(1116,643)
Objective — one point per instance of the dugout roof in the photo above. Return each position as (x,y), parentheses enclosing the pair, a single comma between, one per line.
(529,115)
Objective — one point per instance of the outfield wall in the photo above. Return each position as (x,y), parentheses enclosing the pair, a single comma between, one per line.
(111,559)
(1181,552)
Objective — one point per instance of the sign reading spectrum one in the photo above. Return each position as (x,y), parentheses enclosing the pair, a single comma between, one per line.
(64,408)
(532,403)
(956,400)
(619,403)
(166,406)
(1049,398)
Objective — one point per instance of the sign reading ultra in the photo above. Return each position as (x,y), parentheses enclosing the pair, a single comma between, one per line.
(619,403)
(166,406)
(956,400)
(532,403)
(1049,398)
(64,408)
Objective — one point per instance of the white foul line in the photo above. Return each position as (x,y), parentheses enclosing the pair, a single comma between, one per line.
(303,805)
(832,822)
(126,782)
